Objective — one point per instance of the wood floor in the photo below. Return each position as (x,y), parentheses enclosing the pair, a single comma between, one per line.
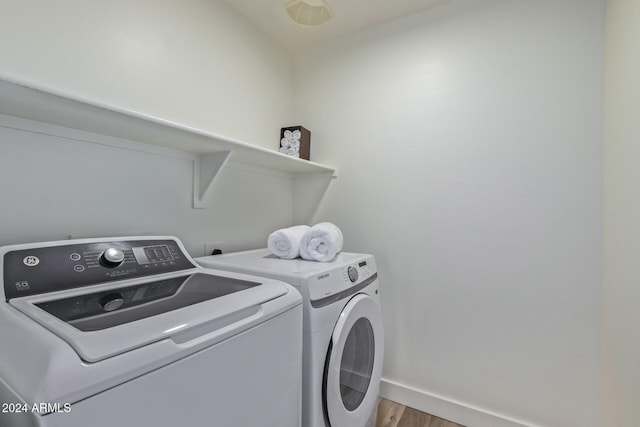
(392,414)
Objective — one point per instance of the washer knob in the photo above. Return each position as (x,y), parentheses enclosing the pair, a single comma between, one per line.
(352,272)
(112,257)
(111,302)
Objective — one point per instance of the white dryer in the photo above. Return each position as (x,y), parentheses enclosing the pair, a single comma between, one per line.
(132,332)
(343,332)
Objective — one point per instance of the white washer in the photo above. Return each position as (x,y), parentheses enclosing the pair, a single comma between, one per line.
(343,333)
(131,332)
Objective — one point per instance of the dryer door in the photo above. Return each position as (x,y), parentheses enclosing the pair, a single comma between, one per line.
(354,364)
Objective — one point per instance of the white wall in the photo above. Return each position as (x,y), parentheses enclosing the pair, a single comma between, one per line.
(621,291)
(469,144)
(79,185)
(196,62)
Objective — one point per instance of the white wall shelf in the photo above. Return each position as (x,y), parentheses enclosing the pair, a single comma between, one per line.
(26,101)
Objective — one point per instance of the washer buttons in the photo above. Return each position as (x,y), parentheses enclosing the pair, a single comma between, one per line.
(79,268)
(75,257)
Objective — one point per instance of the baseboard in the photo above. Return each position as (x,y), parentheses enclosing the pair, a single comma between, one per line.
(446,408)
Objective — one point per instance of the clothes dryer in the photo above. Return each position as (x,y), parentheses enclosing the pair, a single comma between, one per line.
(343,336)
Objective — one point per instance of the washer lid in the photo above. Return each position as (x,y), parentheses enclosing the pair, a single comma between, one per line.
(102,321)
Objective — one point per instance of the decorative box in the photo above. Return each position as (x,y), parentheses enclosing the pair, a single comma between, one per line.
(295,141)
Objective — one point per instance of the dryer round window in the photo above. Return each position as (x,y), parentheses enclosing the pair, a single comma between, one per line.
(356,366)
(352,370)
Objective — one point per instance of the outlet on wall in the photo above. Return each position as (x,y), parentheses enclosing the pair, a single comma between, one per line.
(209,247)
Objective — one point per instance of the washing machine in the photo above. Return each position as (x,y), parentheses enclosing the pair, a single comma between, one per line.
(132,332)
(343,336)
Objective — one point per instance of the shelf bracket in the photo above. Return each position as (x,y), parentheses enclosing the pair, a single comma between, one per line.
(205,169)
(308,191)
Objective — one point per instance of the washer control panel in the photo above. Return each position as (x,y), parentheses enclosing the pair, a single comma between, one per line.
(37,270)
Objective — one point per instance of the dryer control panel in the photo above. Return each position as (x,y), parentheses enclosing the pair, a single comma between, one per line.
(339,283)
(30,270)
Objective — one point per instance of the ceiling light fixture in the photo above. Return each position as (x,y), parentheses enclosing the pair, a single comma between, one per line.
(309,12)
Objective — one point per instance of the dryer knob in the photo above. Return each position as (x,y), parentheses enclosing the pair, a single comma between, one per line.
(112,257)
(353,274)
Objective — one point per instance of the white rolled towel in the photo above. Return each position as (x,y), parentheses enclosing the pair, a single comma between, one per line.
(285,243)
(322,242)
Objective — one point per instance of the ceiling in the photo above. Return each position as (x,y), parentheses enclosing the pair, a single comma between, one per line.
(349,16)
